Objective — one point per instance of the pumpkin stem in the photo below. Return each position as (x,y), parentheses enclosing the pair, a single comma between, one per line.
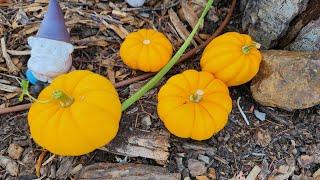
(246,48)
(197,96)
(64,99)
(169,65)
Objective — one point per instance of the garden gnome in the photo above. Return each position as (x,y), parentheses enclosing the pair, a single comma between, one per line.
(50,48)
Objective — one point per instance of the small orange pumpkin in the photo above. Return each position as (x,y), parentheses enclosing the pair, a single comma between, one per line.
(82,114)
(232,57)
(146,50)
(194,104)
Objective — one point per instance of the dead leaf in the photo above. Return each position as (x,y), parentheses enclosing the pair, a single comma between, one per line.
(179,26)
(263,137)
(188,14)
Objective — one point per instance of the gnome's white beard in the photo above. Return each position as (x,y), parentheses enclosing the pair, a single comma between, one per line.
(49,58)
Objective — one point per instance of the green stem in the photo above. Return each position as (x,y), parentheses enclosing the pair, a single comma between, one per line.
(127,103)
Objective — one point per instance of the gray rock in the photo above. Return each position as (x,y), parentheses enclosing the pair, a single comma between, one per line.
(146,122)
(288,80)
(196,167)
(266,20)
(308,38)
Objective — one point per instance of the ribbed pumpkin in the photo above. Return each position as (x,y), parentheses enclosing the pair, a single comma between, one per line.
(146,50)
(232,57)
(194,105)
(82,114)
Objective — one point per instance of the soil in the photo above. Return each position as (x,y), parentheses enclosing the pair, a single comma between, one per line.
(283,137)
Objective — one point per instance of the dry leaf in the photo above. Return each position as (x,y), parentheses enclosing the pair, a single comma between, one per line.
(188,14)
(178,25)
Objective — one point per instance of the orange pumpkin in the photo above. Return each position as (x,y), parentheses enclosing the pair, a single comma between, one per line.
(194,104)
(146,50)
(82,115)
(232,57)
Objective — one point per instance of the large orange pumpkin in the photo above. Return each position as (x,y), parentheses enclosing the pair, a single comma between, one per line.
(232,57)
(146,50)
(194,105)
(82,115)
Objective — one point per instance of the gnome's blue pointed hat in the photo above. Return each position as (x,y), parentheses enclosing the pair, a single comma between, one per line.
(53,25)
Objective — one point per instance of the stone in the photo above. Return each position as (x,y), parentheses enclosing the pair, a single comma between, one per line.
(308,39)
(146,122)
(15,151)
(266,20)
(288,80)
(204,158)
(196,167)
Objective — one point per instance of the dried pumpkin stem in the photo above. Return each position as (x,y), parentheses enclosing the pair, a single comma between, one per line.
(171,63)
(246,49)
(197,96)
(64,99)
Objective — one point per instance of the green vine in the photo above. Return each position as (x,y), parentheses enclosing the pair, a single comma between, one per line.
(127,103)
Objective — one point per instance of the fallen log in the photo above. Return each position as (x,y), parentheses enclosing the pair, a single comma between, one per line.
(126,171)
(136,143)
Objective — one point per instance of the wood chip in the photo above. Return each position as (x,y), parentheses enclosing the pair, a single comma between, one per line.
(12,68)
(9,165)
(126,171)
(179,26)
(254,173)
(19,53)
(8,88)
(136,143)
(120,30)
(111,75)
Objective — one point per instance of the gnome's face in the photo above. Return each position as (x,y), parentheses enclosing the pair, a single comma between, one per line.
(49,58)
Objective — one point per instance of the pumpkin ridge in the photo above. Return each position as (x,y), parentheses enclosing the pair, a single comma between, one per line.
(178,87)
(75,122)
(94,91)
(161,43)
(139,62)
(187,82)
(211,117)
(216,103)
(239,70)
(46,111)
(64,83)
(245,68)
(101,109)
(58,123)
(194,118)
(106,89)
(226,64)
(171,111)
(162,59)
